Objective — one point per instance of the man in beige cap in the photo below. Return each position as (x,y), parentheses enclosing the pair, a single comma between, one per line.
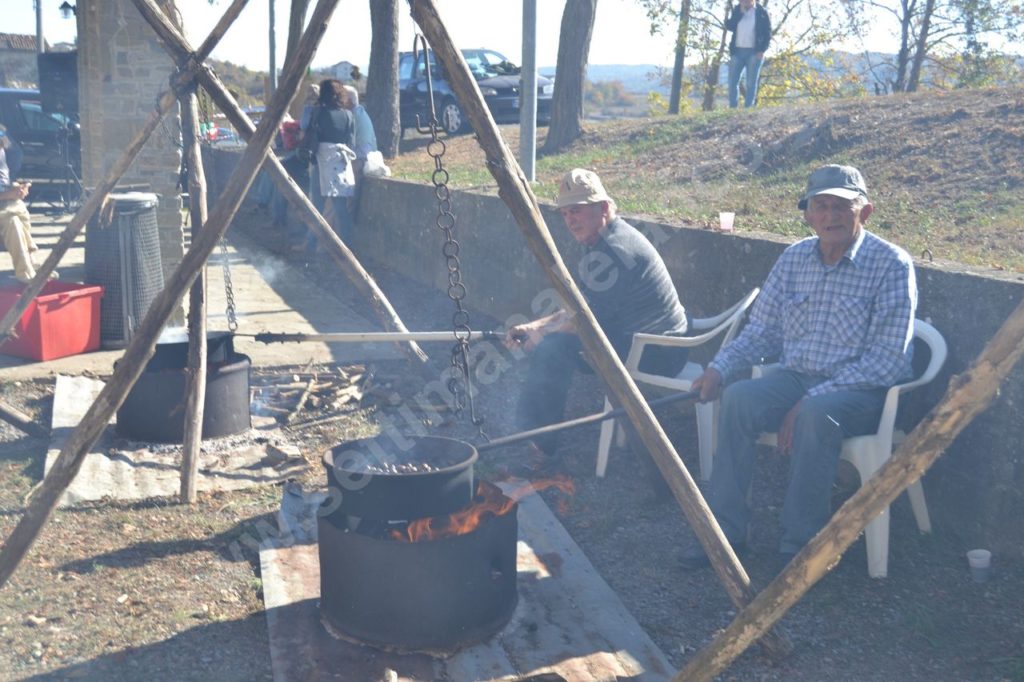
(629,290)
(837,310)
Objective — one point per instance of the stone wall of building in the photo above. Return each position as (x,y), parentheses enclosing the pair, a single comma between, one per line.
(121,70)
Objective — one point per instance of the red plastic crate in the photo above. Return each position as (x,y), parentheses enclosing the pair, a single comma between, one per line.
(64,319)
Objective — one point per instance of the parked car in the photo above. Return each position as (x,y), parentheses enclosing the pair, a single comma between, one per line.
(499,81)
(49,140)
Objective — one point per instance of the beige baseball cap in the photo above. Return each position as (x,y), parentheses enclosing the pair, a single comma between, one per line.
(581,186)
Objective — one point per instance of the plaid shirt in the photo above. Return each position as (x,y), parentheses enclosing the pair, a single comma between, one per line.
(851,322)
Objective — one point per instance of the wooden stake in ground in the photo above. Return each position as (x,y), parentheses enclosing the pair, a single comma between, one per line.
(141,347)
(20,420)
(195,375)
(95,199)
(514,189)
(968,395)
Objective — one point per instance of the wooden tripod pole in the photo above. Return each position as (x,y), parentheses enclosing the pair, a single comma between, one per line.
(180,50)
(968,395)
(195,375)
(514,189)
(141,347)
(96,198)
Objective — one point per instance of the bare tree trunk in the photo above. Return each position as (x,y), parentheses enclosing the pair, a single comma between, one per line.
(570,75)
(296,19)
(382,79)
(903,56)
(711,82)
(677,68)
(922,46)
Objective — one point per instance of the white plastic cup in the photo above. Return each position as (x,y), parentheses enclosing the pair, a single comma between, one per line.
(725,220)
(980,561)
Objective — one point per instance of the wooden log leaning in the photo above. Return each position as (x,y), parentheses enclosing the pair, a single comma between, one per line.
(21,421)
(968,395)
(141,347)
(92,203)
(180,50)
(195,374)
(514,189)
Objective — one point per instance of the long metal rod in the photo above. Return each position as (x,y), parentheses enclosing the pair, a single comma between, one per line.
(580,421)
(359,337)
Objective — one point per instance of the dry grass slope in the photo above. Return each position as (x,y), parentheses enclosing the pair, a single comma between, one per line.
(944,169)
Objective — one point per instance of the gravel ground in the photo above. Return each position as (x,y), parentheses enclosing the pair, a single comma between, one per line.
(117,591)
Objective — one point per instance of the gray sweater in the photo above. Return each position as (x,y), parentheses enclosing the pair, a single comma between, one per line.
(628,287)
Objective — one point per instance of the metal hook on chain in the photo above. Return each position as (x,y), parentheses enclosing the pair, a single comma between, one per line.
(461,394)
(420,40)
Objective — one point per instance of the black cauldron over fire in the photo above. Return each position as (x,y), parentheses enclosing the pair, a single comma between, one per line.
(413,555)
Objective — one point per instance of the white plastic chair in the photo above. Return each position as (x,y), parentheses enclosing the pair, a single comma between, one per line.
(726,322)
(868,453)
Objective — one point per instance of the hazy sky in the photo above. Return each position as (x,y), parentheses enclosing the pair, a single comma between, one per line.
(621,34)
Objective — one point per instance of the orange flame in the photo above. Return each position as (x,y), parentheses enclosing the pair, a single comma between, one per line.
(488,500)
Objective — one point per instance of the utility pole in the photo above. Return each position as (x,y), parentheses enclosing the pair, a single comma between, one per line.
(273,50)
(39,26)
(528,92)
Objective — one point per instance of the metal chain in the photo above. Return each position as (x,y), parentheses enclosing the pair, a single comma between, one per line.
(229,292)
(459,384)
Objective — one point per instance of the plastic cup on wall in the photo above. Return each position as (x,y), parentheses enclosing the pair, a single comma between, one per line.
(725,220)
(980,561)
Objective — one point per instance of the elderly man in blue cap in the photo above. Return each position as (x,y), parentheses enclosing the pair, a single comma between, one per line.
(837,310)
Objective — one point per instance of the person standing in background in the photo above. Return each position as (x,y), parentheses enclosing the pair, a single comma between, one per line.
(751,33)
(364,140)
(332,127)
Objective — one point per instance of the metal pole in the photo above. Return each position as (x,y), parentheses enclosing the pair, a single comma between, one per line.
(273,50)
(579,421)
(364,337)
(39,26)
(528,114)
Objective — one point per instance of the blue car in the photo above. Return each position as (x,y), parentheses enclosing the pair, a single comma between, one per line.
(499,81)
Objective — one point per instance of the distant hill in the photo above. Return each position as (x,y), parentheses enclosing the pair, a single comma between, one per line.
(870,67)
(636,78)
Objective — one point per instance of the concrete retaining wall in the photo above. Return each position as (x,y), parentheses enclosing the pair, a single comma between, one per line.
(974,491)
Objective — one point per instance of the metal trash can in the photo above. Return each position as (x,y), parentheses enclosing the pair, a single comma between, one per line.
(122,254)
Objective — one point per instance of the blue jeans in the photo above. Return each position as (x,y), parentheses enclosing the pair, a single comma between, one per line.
(756,406)
(744,59)
(265,190)
(552,364)
(343,219)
